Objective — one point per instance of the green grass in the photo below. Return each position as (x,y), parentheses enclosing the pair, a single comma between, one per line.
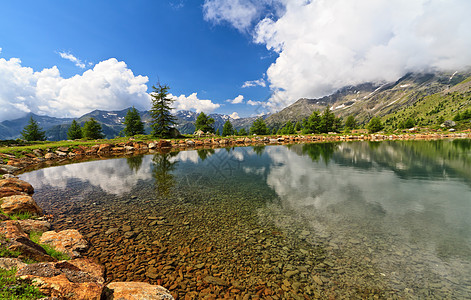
(14,288)
(5,252)
(18,216)
(22,216)
(35,236)
(427,110)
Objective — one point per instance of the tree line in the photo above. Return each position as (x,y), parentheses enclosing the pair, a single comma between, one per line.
(162,123)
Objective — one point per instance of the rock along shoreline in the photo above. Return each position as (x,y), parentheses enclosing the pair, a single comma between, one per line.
(40,158)
(78,278)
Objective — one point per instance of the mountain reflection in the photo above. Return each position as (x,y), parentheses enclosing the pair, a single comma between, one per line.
(398,188)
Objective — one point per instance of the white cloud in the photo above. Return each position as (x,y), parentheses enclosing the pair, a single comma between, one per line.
(0,49)
(193,103)
(241,14)
(252,83)
(110,85)
(254,103)
(234,116)
(237,100)
(73,59)
(114,177)
(325,45)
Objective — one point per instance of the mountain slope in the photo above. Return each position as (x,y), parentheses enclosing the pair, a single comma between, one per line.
(368,100)
(11,129)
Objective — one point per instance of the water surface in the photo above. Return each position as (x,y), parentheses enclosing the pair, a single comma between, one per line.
(343,220)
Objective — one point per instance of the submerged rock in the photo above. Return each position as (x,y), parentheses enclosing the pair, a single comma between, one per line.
(136,291)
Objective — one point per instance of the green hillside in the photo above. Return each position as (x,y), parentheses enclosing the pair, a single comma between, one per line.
(431,111)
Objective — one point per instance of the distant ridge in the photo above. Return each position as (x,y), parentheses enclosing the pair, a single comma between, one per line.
(423,96)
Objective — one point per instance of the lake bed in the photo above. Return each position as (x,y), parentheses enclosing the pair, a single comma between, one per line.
(342,220)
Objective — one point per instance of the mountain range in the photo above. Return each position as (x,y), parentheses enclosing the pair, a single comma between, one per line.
(111,123)
(427,97)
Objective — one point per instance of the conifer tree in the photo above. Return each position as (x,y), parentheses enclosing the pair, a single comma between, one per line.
(133,123)
(350,123)
(75,131)
(227,129)
(259,127)
(375,125)
(242,131)
(92,130)
(32,131)
(162,119)
(204,123)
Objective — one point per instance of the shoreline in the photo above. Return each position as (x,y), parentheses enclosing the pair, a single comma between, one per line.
(104,150)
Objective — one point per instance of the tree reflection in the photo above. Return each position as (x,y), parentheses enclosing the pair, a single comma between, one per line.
(135,162)
(258,149)
(205,153)
(162,168)
(316,150)
(462,144)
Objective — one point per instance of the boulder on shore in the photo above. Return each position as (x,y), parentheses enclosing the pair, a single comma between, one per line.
(30,225)
(20,204)
(66,279)
(69,241)
(17,185)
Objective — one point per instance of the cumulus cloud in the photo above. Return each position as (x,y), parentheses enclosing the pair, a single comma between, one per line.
(109,85)
(254,103)
(252,83)
(325,45)
(73,59)
(234,116)
(192,102)
(237,100)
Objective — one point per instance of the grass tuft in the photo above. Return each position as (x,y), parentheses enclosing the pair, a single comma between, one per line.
(35,236)
(15,288)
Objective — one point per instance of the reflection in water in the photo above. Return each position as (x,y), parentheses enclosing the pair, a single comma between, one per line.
(135,162)
(161,171)
(204,153)
(411,194)
(316,151)
(258,149)
(391,214)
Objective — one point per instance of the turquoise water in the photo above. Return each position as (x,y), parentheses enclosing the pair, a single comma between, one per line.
(343,220)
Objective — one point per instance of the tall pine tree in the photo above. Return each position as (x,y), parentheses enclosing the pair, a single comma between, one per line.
(227,129)
(162,119)
(259,127)
(75,131)
(92,130)
(133,123)
(204,123)
(32,131)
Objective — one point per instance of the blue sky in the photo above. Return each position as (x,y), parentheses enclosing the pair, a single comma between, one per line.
(66,58)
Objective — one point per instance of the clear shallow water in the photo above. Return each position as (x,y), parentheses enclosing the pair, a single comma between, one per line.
(344,220)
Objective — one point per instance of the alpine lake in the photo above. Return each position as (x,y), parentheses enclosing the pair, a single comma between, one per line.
(346,220)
